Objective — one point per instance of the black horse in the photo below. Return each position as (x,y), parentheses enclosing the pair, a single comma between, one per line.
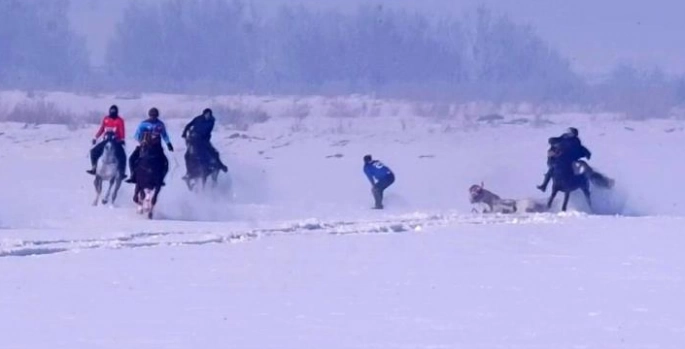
(567,177)
(199,164)
(150,170)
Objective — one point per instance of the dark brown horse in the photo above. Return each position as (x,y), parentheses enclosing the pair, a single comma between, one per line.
(568,177)
(199,164)
(151,168)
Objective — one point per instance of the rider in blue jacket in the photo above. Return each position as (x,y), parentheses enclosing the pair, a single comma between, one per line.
(154,131)
(380,176)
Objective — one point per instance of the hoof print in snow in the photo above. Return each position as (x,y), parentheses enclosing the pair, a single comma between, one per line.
(430,156)
(518,121)
(280,145)
(490,118)
(341,143)
(336,156)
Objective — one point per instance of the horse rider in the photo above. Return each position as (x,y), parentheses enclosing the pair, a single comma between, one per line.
(564,150)
(115,124)
(202,127)
(151,130)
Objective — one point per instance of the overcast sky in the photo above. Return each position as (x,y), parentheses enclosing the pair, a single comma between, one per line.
(594,34)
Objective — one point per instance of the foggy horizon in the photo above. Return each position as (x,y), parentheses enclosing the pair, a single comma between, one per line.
(595,37)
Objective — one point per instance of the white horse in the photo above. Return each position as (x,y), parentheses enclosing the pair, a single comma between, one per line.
(107,169)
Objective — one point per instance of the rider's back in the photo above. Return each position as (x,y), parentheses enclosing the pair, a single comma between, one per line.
(202,127)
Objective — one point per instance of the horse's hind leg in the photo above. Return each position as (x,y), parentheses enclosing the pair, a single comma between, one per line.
(555,191)
(117,186)
(215,176)
(105,200)
(567,196)
(137,199)
(153,201)
(204,181)
(98,189)
(586,193)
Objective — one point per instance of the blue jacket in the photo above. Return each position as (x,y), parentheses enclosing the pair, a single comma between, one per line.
(376,170)
(155,129)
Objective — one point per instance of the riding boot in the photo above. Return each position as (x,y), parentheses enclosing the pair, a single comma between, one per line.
(132,166)
(132,161)
(548,177)
(222,166)
(95,154)
(132,179)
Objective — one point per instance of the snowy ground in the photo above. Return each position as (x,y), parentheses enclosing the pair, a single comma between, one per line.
(292,256)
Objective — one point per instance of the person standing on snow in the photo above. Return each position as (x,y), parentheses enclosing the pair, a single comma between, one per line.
(115,124)
(380,176)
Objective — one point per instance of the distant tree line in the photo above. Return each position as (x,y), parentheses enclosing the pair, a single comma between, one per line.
(228,46)
(37,46)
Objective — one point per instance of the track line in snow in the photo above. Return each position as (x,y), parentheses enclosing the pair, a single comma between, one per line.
(390,225)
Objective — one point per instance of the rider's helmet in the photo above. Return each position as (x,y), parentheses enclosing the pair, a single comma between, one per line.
(153,113)
(113,111)
(572,132)
(367,159)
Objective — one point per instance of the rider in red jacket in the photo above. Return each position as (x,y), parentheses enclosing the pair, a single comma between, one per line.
(115,124)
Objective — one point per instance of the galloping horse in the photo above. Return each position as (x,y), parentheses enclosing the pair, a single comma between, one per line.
(198,166)
(568,177)
(107,169)
(150,172)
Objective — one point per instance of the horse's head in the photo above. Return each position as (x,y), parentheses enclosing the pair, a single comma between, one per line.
(475,192)
(109,136)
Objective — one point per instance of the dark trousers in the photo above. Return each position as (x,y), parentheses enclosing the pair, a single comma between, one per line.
(548,177)
(119,152)
(379,188)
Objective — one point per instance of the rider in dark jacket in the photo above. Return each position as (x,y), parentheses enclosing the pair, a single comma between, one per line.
(565,149)
(202,126)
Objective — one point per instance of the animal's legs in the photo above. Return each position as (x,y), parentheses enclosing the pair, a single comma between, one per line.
(567,196)
(153,201)
(552,196)
(98,189)
(117,186)
(105,200)
(586,193)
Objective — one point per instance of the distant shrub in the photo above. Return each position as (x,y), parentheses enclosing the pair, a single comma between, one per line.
(38,112)
(240,118)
